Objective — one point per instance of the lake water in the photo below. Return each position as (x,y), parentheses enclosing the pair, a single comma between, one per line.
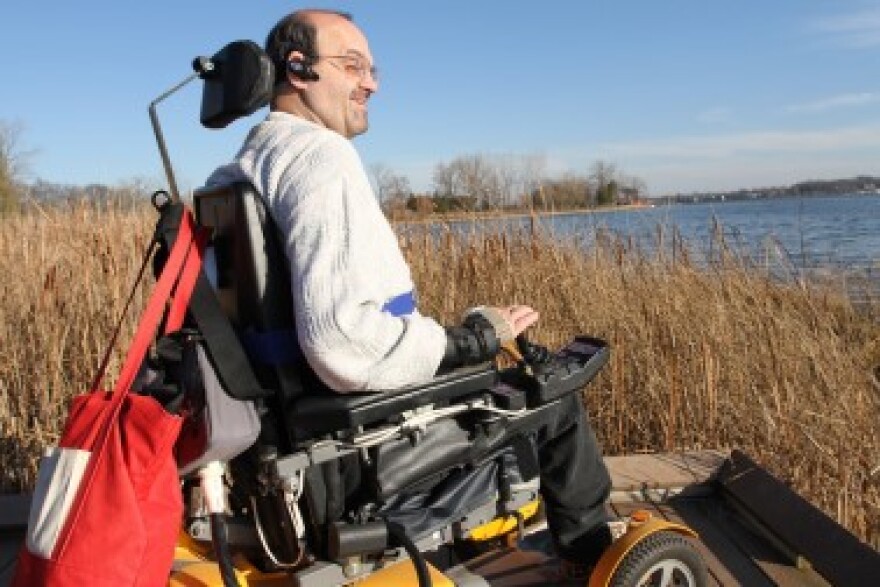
(839,231)
(798,236)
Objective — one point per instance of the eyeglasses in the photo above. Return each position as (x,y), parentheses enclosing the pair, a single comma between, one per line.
(354,65)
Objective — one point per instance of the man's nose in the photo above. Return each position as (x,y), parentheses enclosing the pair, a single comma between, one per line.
(369,83)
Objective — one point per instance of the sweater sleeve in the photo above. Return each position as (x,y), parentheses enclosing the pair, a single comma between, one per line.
(344,264)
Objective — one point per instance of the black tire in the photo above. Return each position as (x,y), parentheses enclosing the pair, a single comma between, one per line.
(664,555)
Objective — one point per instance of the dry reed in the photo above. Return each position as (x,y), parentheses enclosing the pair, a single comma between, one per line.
(703,357)
(65,272)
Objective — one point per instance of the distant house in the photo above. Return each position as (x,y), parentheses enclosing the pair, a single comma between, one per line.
(626,196)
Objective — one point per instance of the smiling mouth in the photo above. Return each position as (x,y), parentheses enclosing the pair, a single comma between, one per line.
(360,98)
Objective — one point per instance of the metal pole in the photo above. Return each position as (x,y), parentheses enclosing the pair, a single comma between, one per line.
(160,140)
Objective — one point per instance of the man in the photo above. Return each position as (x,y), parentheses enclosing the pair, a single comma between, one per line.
(355,313)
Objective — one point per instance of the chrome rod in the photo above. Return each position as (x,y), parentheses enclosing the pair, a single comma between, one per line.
(160,140)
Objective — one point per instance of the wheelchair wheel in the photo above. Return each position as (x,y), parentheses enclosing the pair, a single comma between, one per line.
(664,559)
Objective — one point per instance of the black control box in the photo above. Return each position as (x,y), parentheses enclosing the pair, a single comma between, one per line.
(569,369)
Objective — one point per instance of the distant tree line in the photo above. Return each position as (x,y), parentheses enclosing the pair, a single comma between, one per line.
(861,183)
(480,182)
(475,182)
(824,187)
(16,192)
(133,191)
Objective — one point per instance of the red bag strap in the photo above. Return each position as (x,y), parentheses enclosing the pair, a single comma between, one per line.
(187,283)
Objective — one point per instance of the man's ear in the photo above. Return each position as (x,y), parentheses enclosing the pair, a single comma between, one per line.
(299,70)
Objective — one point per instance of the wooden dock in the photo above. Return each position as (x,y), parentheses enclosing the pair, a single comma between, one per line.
(13,521)
(753,529)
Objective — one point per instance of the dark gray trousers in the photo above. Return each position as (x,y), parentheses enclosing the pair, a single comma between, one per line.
(574,481)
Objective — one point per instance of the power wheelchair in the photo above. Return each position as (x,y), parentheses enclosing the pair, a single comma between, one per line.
(446,471)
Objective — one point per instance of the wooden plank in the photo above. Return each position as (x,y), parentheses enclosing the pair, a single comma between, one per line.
(833,552)
(13,524)
(663,471)
(10,542)
(626,508)
(772,561)
(776,564)
(508,567)
(727,563)
(14,511)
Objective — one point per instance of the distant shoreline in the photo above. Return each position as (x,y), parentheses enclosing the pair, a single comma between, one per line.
(510,214)
(480,215)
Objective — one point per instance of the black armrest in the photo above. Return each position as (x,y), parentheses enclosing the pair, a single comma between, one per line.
(331,412)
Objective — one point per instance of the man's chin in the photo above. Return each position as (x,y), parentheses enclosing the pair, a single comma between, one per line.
(359,127)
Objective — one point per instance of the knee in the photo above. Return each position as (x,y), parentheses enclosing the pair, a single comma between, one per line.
(568,413)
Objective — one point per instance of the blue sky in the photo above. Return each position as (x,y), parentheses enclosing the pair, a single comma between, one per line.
(686,94)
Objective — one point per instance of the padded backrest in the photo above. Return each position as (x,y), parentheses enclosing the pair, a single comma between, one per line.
(250,273)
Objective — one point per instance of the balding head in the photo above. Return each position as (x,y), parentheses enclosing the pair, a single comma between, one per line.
(298,31)
(323,69)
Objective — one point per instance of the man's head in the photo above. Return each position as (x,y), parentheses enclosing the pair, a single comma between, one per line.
(323,69)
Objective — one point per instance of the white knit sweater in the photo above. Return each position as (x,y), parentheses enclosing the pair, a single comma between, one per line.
(345,262)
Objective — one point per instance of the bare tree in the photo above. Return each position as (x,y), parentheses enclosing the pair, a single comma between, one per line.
(565,192)
(469,176)
(508,179)
(390,187)
(534,169)
(604,176)
(398,188)
(480,179)
(602,172)
(380,175)
(444,181)
(13,165)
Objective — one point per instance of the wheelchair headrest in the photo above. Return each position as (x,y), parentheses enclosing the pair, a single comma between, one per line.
(238,81)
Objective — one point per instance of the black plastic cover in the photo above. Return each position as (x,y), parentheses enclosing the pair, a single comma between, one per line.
(458,494)
(345,540)
(238,83)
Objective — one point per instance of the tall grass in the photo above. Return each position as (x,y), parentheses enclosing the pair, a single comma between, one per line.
(704,356)
(65,272)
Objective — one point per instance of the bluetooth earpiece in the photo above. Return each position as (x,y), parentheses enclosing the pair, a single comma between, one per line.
(302,70)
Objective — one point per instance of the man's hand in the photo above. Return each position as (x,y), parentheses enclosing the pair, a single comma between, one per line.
(518,317)
(484,330)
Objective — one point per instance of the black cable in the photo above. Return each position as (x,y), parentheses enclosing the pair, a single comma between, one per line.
(221,550)
(119,323)
(397,531)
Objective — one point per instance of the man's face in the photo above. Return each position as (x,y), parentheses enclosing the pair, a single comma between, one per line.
(339,97)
